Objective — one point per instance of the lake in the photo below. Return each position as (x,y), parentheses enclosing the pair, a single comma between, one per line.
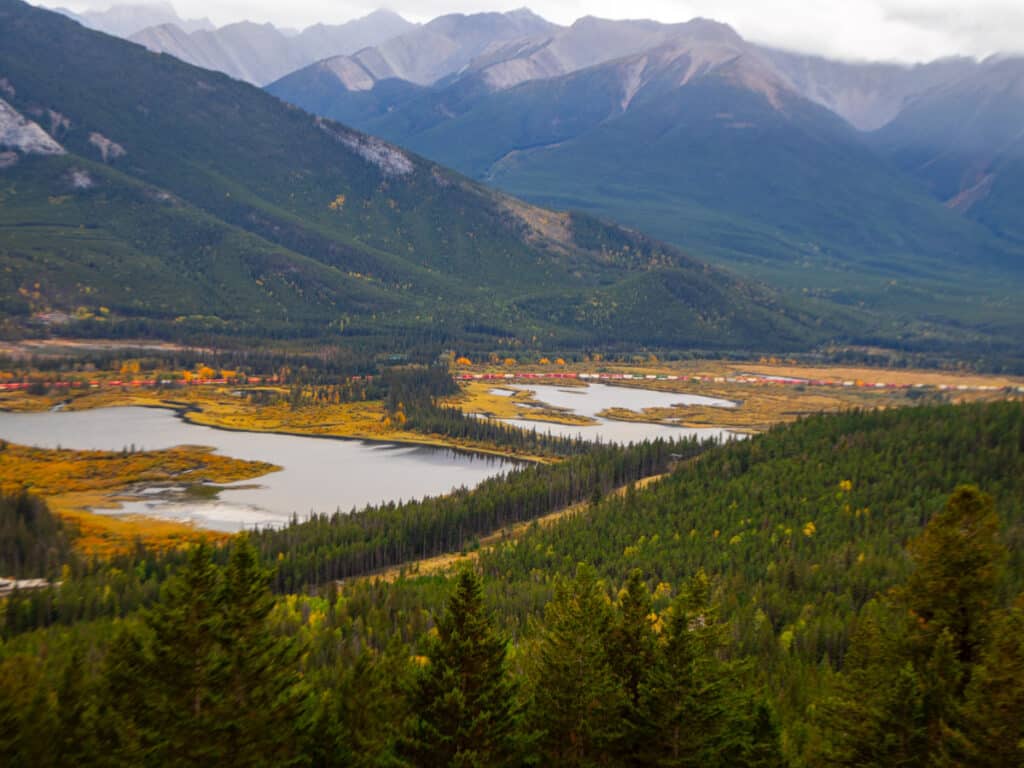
(594,398)
(318,475)
(324,475)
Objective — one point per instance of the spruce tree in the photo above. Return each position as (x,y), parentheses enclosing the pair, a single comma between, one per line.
(169,688)
(916,651)
(578,699)
(27,717)
(632,647)
(76,736)
(632,639)
(957,567)
(260,706)
(694,707)
(990,731)
(464,700)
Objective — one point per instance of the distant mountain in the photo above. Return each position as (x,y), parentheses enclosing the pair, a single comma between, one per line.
(353,90)
(126,20)
(866,95)
(749,155)
(380,46)
(447,44)
(261,53)
(142,194)
(587,42)
(965,140)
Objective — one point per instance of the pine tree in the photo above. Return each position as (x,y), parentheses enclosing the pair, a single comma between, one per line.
(990,731)
(954,585)
(464,700)
(694,707)
(362,710)
(632,647)
(260,706)
(577,698)
(169,688)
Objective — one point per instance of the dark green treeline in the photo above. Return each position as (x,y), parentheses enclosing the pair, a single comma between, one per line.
(813,596)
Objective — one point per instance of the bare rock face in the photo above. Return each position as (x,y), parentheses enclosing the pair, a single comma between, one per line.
(390,160)
(59,124)
(109,150)
(588,42)
(80,180)
(21,134)
(349,73)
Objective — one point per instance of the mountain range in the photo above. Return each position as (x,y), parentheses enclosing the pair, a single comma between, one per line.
(261,53)
(182,201)
(875,185)
(877,213)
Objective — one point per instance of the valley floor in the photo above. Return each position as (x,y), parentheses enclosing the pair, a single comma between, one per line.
(765,393)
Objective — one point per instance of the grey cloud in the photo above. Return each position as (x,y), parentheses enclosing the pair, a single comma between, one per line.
(904,30)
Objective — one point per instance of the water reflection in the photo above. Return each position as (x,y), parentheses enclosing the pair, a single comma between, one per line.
(318,475)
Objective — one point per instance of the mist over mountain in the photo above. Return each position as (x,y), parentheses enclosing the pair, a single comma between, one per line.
(964,139)
(127,19)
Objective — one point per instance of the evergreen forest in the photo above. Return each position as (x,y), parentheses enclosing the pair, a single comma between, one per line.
(847,590)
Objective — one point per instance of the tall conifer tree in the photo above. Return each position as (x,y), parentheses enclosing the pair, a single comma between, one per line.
(464,700)
(261,705)
(578,699)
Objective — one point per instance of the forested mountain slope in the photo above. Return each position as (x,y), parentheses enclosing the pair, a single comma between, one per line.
(965,140)
(756,158)
(258,213)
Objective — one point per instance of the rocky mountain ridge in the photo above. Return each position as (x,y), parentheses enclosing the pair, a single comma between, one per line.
(262,53)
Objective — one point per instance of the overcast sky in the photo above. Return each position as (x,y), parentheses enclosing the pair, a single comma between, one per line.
(904,30)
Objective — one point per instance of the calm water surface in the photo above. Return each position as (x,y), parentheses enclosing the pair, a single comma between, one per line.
(325,475)
(594,398)
(318,475)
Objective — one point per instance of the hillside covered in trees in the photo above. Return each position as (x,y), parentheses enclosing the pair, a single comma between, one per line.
(182,204)
(842,591)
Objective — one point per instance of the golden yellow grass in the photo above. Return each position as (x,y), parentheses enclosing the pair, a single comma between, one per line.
(221,407)
(887,375)
(763,405)
(480,397)
(74,482)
